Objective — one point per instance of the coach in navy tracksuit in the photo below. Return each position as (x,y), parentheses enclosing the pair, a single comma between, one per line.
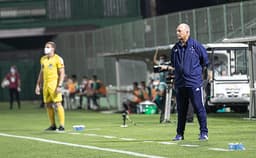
(188,58)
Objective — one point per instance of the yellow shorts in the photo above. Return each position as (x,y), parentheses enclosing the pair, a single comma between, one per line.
(50,95)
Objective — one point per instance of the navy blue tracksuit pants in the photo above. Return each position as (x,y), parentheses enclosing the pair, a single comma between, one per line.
(183,95)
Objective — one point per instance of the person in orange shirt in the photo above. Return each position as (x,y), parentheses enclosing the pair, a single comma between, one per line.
(146,91)
(71,87)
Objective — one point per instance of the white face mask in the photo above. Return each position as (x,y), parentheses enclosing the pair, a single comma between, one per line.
(47,50)
(12,70)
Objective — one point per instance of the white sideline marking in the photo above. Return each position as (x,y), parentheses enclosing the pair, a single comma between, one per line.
(189,145)
(150,141)
(96,135)
(75,133)
(128,139)
(81,146)
(167,143)
(110,137)
(92,135)
(218,149)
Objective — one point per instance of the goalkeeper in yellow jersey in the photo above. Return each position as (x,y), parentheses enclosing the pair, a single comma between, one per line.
(51,78)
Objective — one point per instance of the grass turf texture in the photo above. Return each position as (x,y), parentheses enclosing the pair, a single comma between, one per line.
(103,130)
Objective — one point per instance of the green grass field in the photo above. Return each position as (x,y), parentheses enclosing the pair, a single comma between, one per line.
(22,135)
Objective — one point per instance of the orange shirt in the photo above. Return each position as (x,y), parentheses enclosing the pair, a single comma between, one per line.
(71,86)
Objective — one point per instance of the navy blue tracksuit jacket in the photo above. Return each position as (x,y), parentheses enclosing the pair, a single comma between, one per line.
(188,62)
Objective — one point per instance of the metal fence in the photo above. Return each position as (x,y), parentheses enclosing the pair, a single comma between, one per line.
(208,24)
(92,9)
(56,13)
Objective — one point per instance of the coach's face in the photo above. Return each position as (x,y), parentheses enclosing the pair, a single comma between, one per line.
(182,33)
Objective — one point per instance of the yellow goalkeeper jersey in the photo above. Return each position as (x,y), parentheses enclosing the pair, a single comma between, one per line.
(50,68)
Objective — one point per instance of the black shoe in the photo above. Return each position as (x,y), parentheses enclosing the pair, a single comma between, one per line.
(61,128)
(51,128)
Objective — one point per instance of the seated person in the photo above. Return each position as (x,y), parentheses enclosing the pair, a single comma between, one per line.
(68,91)
(98,90)
(71,87)
(130,104)
(218,69)
(85,91)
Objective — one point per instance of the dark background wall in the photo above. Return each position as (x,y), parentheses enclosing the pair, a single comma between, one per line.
(168,6)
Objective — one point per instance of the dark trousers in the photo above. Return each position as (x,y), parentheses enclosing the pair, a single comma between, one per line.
(13,92)
(161,106)
(196,97)
(88,101)
(130,106)
(42,102)
(94,99)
